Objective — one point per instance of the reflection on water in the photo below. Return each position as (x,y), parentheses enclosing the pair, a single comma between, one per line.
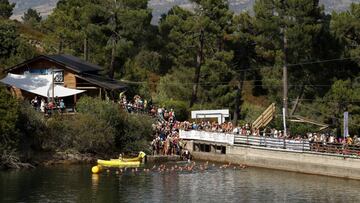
(77,184)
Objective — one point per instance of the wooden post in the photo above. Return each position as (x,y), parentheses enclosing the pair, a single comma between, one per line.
(53,85)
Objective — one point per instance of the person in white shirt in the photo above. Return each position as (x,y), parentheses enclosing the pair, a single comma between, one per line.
(275,133)
(236,130)
(42,105)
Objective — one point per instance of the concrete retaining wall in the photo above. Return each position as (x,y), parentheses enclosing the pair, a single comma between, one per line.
(318,164)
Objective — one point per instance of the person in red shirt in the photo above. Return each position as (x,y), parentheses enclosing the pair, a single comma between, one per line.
(51,106)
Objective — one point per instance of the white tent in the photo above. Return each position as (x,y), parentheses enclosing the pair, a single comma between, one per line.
(38,84)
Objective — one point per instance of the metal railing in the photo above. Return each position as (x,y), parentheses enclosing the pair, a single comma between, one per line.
(298,145)
(280,143)
(336,148)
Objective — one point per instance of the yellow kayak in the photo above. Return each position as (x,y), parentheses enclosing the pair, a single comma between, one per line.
(138,158)
(122,162)
(117,163)
(128,159)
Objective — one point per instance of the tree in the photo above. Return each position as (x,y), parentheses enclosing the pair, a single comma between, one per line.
(346,27)
(8,39)
(14,49)
(108,32)
(6,9)
(212,19)
(75,27)
(177,49)
(343,96)
(241,41)
(31,17)
(292,32)
(195,40)
(127,27)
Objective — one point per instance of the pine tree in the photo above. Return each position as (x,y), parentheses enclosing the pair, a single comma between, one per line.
(6,9)
(346,27)
(196,40)
(31,14)
(303,24)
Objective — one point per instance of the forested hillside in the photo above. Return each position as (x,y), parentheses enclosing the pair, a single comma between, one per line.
(208,57)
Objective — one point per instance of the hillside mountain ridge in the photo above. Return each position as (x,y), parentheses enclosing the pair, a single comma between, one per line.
(160,7)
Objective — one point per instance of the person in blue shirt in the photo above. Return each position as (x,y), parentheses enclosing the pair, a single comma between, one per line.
(62,106)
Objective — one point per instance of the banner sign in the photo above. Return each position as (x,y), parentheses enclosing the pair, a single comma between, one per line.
(207,136)
(284,120)
(58,76)
(346,124)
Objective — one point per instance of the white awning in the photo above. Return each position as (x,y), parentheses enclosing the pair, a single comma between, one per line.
(38,84)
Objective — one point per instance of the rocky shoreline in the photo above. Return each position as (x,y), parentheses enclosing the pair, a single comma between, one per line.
(69,158)
(50,159)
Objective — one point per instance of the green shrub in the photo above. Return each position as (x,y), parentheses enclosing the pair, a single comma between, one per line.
(32,127)
(110,112)
(82,132)
(131,132)
(9,134)
(137,133)
(59,134)
(9,114)
(92,134)
(99,127)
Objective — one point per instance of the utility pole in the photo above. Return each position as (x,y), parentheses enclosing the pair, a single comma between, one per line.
(285,75)
(285,71)
(285,83)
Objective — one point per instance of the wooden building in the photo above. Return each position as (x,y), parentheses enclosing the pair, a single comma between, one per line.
(70,72)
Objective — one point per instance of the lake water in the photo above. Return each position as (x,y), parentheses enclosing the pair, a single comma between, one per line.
(215,184)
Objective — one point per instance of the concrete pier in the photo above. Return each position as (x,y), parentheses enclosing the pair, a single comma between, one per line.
(303,162)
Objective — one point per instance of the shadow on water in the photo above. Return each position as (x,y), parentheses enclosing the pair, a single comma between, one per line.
(170,184)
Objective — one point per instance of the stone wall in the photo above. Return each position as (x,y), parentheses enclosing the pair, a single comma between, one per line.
(310,163)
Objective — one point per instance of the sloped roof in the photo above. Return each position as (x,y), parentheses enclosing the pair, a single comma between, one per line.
(103,82)
(83,69)
(75,63)
(71,62)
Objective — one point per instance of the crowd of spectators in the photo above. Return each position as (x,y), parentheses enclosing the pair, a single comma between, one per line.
(226,127)
(331,139)
(246,130)
(135,105)
(48,106)
(166,132)
(166,129)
